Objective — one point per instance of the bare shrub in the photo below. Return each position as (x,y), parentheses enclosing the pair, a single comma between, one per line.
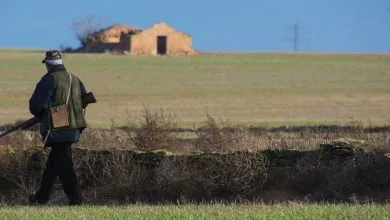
(100,167)
(235,175)
(112,138)
(20,165)
(154,131)
(309,139)
(213,176)
(309,174)
(218,138)
(84,27)
(179,179)
(283,141)
(364,175)
(111,170)
(21,139)
(119,175)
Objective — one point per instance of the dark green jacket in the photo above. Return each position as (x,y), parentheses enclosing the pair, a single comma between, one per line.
(52,90)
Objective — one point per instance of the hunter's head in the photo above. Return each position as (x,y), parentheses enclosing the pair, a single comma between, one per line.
(52,58)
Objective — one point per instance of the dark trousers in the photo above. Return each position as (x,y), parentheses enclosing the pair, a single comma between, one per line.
(60,163)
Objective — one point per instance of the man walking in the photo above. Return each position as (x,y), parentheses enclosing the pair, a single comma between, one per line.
(57,102)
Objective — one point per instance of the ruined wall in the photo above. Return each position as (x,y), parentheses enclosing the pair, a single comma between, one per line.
(112,39)
(145,43)
(104,47)
(112,34)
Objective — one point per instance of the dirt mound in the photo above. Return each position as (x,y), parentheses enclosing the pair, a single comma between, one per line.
(112,34)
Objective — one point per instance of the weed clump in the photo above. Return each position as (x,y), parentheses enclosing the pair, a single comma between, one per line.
(154,131)
(220,138)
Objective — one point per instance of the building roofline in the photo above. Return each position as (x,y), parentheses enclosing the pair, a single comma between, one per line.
(162,22)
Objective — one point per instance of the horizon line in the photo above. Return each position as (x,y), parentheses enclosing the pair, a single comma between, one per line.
(38,49)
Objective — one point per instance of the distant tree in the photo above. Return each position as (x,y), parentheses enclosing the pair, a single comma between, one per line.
(84,27)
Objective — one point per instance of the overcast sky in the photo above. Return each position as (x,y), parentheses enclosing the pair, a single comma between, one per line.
(215,25)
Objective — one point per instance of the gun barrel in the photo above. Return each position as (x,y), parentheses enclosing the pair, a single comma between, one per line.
(30,122)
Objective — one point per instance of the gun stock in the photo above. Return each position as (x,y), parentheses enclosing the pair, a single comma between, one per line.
(88,99)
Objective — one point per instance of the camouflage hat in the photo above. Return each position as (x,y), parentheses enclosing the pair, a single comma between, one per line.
(53,57)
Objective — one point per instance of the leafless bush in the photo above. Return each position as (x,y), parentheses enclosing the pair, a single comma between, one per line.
(309,174)
(365,175)
(20,165)
(21,139)
(100,167)
(214,176)
(217,138)
(120,175)
(112,138)
(310,140)
(230,167)
(179,179)
(236,174)
(20,155)
(154,131)
(84,27)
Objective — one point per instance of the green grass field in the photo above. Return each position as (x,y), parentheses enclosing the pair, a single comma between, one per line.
(241,88)
(284,211)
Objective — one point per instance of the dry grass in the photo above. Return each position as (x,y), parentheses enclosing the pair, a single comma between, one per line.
(225,164)
(219,138)
(112,138)
(20,164)
(154,131)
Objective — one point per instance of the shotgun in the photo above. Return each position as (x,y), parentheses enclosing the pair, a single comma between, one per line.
(27,124)
(86,99)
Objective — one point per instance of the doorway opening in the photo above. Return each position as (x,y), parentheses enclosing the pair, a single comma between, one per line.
(161,45)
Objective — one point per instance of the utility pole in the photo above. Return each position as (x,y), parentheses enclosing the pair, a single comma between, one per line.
(296,36)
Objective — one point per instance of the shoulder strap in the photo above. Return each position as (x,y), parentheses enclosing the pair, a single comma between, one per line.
(70,87)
